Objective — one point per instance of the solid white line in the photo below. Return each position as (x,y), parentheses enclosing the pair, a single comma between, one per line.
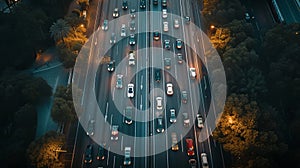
(74,147)
(107,155)
(181,142)
(122,143)
(114,163)
(82,160)
(106,110)
(113,94)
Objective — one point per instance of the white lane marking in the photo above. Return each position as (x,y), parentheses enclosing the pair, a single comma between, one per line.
(111,117)
(107,155)
(122,143)
(113,94)
(106,110)
(141,105)
(82,160)
(181,142)
(114,163)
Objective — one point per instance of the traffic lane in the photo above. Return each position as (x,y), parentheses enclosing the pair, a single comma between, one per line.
(289,11)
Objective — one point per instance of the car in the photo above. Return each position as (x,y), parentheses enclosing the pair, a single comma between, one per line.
(190,147)
(111,66)
(116,13)
(193,163)
(167,62)
(128,115)
(204,160)
(142,4)
(164,3)
(105,25)
(179,58)
(101,153)
(172,116)
(157,75)
(187,19)
(169,89)
(131,57)
(167,44)
(114,132)
(164,13)
(84,14)
(112,38)
(119,83)
(127,159)
(88,155)
(176,23)
(247,16)
(193,74)
(186,120)
(130,91)
(90,127)
(184,96)
(156,35)
(124,4)
(132,13)
(166,27)
(132,25)
(174,142)
(159,103)
(132,40)
(155,2)
(178,43)
(199,121)
(160,125)
(123,30)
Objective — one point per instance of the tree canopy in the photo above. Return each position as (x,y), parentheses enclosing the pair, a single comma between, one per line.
(44,151)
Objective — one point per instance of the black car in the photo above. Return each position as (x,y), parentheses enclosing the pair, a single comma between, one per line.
(131,39)
(125,4)
(160,125)
(100,154)
(111,66)
(155,2)
(164,3)
(156,35)
(88,158)
(157,75)
(142,4)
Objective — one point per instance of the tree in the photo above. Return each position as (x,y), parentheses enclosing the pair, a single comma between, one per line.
(44,151)
(236,129)
(63,108)
(59,30)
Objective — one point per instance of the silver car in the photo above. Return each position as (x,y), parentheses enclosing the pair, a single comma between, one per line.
(119,83)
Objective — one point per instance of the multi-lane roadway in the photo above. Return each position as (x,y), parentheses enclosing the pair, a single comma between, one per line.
(148,147)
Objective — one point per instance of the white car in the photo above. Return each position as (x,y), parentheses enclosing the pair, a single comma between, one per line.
(119,83)
(169,89)
(116,13)
(193,73)
(164,13)
(123,30)
(199,121)
(131,57)
(176,23)
(130,91)
(166,26)
(159,103)
(204,160)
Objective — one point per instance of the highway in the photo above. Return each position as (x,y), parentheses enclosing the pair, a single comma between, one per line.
(148,147)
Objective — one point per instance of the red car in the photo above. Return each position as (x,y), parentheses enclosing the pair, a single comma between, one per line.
(190,147)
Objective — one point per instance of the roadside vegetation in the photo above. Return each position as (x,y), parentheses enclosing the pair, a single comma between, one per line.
(260,123)
(24,33)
